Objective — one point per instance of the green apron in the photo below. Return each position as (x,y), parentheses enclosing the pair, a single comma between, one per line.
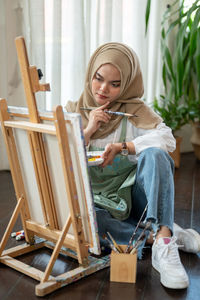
(112,184)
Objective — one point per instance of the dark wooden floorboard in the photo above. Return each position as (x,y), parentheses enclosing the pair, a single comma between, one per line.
(14,285)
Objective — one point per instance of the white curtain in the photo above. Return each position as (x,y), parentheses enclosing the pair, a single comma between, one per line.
(74,29)
(11,22)
(60,37)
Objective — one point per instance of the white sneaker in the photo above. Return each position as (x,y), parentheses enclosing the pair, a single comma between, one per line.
(166,260)
(188,239)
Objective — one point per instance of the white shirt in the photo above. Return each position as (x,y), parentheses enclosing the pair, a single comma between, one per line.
(159,137)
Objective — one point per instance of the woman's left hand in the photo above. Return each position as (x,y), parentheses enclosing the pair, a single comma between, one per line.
(111,150)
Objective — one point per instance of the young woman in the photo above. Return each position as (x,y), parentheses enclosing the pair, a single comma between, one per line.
(137,168)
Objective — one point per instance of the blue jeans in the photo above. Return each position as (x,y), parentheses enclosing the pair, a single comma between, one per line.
(154,183)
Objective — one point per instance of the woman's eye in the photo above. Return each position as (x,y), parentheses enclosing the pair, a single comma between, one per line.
(116,85)
(98,78)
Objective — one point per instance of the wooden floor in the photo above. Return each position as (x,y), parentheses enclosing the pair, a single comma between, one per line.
(14,285)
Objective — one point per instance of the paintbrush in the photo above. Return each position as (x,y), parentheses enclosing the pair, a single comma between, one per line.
(111,245)
(112,112)
(136,246)
(114,243)
(136,228)
(147,226)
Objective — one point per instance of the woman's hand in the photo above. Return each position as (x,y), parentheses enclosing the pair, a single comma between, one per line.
(96,116)
(111,150)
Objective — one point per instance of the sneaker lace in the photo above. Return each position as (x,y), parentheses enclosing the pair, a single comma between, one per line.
(170,252)
(180,243)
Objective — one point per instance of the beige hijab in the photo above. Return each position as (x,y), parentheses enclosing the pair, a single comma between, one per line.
(131,90)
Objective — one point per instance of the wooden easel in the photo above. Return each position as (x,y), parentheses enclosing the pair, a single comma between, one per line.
(76,245)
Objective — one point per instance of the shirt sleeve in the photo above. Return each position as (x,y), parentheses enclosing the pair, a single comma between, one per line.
(159,137)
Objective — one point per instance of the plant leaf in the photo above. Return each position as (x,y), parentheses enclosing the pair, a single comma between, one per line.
(147,14)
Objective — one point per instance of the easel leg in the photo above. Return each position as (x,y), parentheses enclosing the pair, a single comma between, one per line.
(57,249)
(11,224)
(95,264)
(71,190)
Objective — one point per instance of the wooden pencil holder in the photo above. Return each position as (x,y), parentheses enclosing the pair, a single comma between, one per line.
(123,266)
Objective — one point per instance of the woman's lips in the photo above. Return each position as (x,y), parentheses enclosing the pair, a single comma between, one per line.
(101,96)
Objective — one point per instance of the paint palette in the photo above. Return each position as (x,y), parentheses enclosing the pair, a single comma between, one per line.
(94,158)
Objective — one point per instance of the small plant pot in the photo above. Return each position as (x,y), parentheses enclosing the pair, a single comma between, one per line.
(176,154)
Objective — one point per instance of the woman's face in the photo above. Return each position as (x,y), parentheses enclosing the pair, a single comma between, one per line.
(106,84)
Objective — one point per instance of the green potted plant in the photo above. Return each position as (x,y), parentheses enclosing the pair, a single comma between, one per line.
(180,103)
(194,116)
(174,116)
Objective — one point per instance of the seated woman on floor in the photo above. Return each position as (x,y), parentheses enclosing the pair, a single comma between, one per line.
(137,168)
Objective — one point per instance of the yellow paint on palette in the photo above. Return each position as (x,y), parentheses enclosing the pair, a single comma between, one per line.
(93,158)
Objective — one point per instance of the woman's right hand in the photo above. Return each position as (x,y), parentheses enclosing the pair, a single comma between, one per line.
(96,116)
